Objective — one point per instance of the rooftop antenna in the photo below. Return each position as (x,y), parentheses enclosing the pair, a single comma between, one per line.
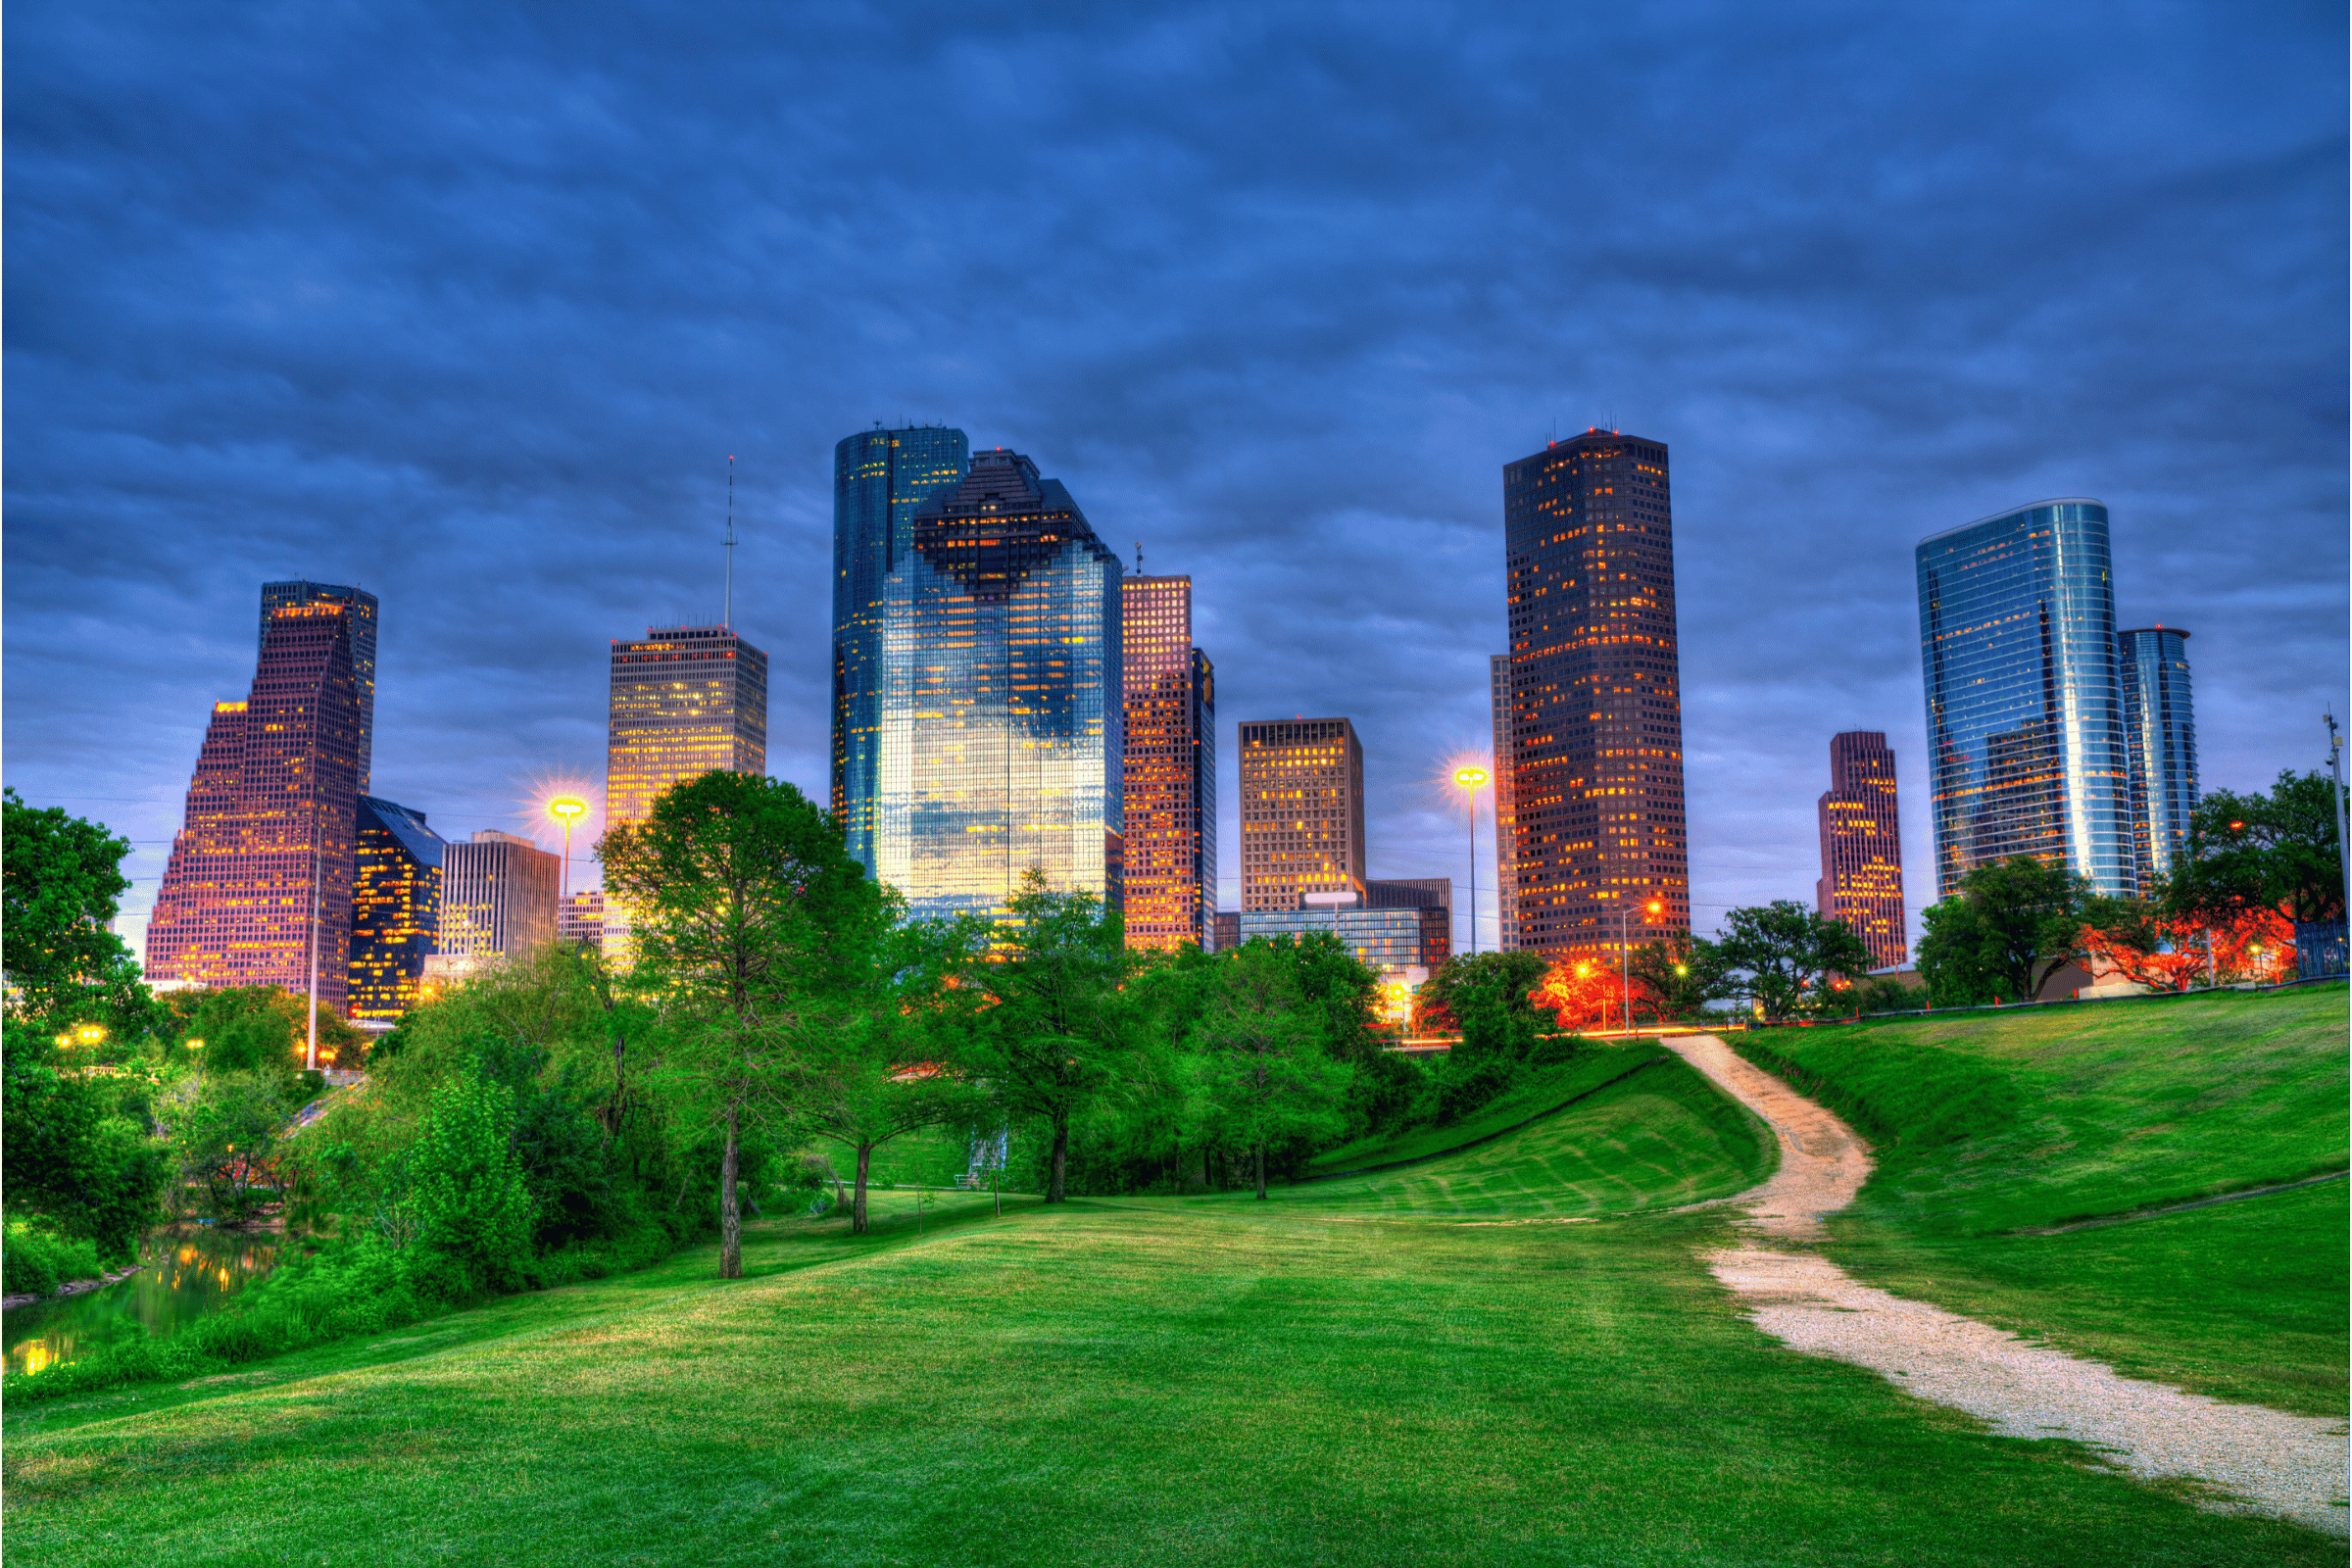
(727,617)
(1139,558)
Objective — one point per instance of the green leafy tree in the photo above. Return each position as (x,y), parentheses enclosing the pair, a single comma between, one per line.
(1682,974)
(753,929)
(225,1128)
(1498,982)
(2006,929)
(2245,853)
(61,882)
(1262,1048)
(69,1154)
(1787,955)
(1057,1034)
(473,1202)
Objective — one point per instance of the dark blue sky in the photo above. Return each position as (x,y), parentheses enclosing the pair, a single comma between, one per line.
(468,304)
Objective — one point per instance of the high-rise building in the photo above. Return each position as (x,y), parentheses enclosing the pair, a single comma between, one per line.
(1862,847)
(685,701)
(1507,876)
(498,896)
(1302,811)
(2160,747)
(881,478)
(258,886)
(1225,930)
(1596,737)
(997,746)
(395,908)
(1433,896)
(360,603)
(580,921)
(2024,711)
(1170,747)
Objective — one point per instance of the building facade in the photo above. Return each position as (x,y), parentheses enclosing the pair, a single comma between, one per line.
(580,921)
(685,701)
(1168,691)
(881,478)
(258,886)
(360,607)
(1000,733)
(1862,847)
(395,908)
(1224,930)
(1506,878)
(2160,747)
(1433,896)
(2025,710)
(498,896)
(1302,811)
(1595,731)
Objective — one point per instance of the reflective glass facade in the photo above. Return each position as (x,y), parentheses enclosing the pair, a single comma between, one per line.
(395,908)
(881,478)
(499,895)
(362,606)
(2024,712)
(685,701)
(1302,811)
(1000,736)
(2160,746)
(1385,939)
(1170,752)
(1595,739)
(1507,874)
(1862,847)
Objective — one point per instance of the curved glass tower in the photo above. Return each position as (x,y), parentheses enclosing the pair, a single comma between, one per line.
(2025,710)
(881,478)
(2160,731)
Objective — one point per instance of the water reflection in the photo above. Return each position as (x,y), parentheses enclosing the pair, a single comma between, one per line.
(183,1275)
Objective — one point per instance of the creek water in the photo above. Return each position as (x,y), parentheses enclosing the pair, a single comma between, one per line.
(183,1273)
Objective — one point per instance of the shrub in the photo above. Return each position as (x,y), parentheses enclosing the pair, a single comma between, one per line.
(473,1208)
(33,1264)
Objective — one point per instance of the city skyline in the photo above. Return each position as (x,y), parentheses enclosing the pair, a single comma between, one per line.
(1297,379)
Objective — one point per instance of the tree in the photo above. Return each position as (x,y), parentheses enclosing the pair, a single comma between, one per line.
(1466,982)
(1262,1048)
(225,1128)
(2260,851)
(61,882)
(473,1208)
(2008,927)
(1682,974)
(71,1152)
(752,924)
(260,1029)
(1787,955)
(2139,941)
(1056,1034)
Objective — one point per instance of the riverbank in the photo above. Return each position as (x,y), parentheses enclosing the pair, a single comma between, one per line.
(70,1287)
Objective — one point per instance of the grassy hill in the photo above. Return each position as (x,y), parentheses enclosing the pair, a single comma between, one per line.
(1990,1127)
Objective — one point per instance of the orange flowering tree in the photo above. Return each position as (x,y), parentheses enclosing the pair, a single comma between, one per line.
(2167,952)
(1583,993)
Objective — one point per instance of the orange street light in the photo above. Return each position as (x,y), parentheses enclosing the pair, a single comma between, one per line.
(567,809)
(1470,778)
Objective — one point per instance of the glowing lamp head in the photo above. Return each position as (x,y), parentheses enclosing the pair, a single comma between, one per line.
(2238,827)
(1470,778)
(565,808)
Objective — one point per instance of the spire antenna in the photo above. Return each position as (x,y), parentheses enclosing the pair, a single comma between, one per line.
(727,614)
(1139,558)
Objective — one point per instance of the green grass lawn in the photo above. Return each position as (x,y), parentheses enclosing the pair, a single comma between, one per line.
(1542,1090)
(1986,1125)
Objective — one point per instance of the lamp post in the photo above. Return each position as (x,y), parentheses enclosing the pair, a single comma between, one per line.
(1625,974)
(1470,778)
(566,809)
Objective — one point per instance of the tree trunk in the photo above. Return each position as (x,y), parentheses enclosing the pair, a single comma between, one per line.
(1056,1186)
(730,1216)
(865,1160)
(1193,1176)
(1261,1170)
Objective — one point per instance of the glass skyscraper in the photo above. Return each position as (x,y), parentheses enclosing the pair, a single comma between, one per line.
(1169,786)
(2025,710)
(395,908)
(684,702)
(1862,846)
(998,742)
(881,478)
(2160,746)
(361,605)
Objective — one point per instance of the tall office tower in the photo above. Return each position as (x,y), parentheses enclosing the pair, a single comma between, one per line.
(1170,697)
(259,881)
(498,896)
(1225,930)
(881,478)
(686,701)
(2024,712)
(2160,747)
(999,746)
(361,605)
(1302,811)
(1433,896)
(1507,877)
(581,920)
(1596,715)
(1862,847)
(395,908)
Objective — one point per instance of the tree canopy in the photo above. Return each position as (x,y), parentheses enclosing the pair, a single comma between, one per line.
(2010,926)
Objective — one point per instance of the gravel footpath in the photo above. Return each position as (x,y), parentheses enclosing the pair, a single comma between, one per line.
(2266,1461)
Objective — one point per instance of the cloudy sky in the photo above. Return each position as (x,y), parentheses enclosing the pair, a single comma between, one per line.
(469,304)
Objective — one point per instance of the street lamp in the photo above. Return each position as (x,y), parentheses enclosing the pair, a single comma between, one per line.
(1470,778)
(567,809)
(1625,975)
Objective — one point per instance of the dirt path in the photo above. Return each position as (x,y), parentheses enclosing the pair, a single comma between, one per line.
(2266,1461)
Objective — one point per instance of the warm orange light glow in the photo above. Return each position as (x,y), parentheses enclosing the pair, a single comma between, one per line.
(1470,778)
(566,807)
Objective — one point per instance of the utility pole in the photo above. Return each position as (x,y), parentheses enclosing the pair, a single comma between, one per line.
(2335,772)
(317,896)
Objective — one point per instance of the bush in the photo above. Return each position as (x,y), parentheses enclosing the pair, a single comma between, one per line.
(473,1208)
(33,1263)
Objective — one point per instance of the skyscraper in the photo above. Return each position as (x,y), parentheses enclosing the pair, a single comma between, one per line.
(395,908)
(1506,875)
(1170,750)
(2024,712)
(881,478)
(685,701)
(997,746)
(1302,811)
(2160,747)
(259,881)
(498,896)
(1595,690)
(1862,846)
(278,596)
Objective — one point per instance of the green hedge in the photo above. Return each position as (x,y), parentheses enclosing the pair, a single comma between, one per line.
(33,1264)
